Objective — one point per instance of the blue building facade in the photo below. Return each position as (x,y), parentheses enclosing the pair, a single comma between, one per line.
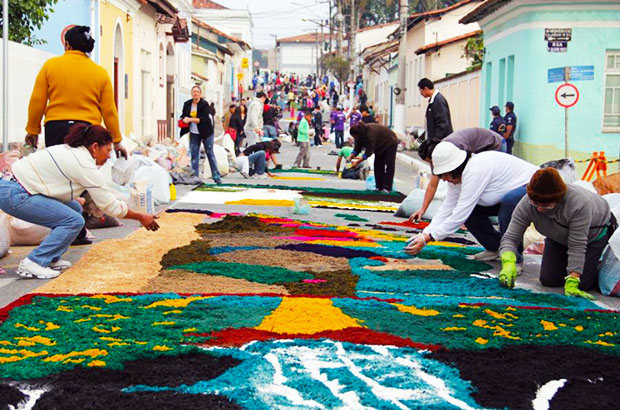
(67,12)
(521,65)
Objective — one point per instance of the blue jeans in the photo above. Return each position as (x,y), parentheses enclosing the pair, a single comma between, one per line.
(194,150)
(270,132)
(339,138)
(481,227)
(64,219)
(257,162)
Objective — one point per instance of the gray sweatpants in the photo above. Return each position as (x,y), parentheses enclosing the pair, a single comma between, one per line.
(304,154)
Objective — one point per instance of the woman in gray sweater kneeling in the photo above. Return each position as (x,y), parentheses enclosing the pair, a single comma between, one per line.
(577,225)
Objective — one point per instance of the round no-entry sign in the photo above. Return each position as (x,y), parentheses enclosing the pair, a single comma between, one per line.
(567,95)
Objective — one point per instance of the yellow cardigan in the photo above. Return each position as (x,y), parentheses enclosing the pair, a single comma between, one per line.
(73,87)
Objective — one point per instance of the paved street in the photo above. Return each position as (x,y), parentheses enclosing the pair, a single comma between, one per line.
(13,287)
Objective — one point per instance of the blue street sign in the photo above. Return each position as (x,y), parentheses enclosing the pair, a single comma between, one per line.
(582,73)
(555,75)
(577,73)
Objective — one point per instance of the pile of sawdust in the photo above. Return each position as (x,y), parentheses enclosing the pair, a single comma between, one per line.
(294,260)
(126,265)
(236,224)
(180,281)
(197,251)
(261,239)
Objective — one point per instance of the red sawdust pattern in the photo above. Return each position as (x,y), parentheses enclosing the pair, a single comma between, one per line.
(239,337)
(416,225)
(328,233)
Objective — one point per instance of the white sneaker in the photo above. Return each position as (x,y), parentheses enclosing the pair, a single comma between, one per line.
(261,176)
(60,265)
(30,269)
(485,256)
(244,174)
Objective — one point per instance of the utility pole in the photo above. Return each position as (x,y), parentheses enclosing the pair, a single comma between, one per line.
(331,25)
(352,56)
(316,44)
(340,18)
(5,76)
(399,91)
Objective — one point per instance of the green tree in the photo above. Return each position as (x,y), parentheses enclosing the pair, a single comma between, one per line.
(474,51)
(340,67)
(25,16)
(375,12)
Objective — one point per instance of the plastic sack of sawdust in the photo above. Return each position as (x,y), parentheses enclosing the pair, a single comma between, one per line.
(414,201)
(22,233)
(609,274)
(5,240)
(141,197)
(159,178)
(565,167)
(301,207)
(123,171)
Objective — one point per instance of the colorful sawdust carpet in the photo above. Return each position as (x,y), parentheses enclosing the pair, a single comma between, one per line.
(353,323)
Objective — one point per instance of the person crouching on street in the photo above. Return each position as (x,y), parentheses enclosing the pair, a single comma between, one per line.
(577,225)
(379,140)
(45,190)
(253,160)
(303,140)
(482,185)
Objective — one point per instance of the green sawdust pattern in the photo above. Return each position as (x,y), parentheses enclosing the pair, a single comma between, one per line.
(53,334)
(303,171)
(196,251)
(476,327)
(351,217)
(236,224)
(206,187)
(254,273)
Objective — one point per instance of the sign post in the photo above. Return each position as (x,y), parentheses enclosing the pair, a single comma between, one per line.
(566,96)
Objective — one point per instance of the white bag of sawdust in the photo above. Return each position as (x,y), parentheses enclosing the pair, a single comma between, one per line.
(123,171)
(24,233)
(141,197)
(414,201)
(221,158)
(5,240)
(154,174)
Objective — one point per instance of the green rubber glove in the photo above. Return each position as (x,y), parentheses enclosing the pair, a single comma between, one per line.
(508,274)
(571,288)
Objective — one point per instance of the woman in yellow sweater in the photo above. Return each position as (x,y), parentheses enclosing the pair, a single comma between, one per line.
(72,89)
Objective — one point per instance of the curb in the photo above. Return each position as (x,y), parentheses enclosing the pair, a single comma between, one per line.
(415,163)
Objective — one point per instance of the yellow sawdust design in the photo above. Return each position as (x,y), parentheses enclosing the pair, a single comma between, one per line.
(415,311)
(306,316)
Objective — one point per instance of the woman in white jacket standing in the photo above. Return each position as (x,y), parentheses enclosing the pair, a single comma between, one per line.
(45,190)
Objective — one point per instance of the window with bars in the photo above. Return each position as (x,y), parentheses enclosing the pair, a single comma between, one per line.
(611,108)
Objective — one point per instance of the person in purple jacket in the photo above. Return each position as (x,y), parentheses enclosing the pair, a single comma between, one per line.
(338,120)
(354,116)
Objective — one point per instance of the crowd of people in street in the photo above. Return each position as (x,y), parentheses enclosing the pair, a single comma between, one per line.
(484,179)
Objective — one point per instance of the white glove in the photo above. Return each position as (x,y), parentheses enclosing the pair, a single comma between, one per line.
(415,244)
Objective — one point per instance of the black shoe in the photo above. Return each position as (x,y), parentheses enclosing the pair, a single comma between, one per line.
(81,241)
(218,181)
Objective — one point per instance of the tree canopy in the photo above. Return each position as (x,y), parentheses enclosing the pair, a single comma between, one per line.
(26,16)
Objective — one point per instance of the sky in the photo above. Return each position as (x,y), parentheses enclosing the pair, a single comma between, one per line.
(281,18)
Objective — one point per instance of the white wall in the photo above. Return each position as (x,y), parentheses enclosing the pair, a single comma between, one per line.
(237,23)
(463,96)
(24,65)
(147,56)
(298,58)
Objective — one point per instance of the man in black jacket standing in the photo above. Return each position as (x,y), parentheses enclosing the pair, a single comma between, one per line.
(438,121)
